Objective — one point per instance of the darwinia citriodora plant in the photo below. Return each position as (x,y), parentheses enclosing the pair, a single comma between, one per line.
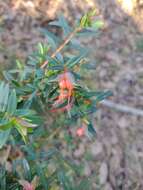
(47,86)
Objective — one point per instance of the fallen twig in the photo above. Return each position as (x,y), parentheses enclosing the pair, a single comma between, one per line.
(122,108)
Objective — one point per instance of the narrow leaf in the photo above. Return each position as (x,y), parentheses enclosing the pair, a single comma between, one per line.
(4,137)
(12,103)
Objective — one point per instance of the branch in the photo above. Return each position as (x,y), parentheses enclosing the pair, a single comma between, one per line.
(122,108)
(66,41)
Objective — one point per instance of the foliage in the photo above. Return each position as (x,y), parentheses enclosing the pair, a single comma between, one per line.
(47,85)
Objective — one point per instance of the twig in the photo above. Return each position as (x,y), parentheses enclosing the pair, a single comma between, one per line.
(71,35)
(122,108)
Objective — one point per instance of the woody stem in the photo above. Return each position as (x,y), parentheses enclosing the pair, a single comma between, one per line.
(66,41)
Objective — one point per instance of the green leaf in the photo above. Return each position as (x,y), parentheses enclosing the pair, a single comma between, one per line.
(22,130)
(53,40)
(64,180)
(7,76)
(85,22)
(12,103)
(49,154)
(92,13)
(102,95)
(98,24)
(84,185)
(2,178)
(75,60)
(4,135)
(56,68)
(26,167)
(29,101)
(19,64)
(91,129)
(24,112)
(89,66)
(4,93)
(5,124)
(88,32)
(41,48)
(41,174)
(62,22)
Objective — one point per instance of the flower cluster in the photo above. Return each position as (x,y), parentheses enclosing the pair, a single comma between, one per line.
(66,92)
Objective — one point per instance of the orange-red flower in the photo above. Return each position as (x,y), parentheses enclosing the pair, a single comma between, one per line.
(66,87)
(80,132)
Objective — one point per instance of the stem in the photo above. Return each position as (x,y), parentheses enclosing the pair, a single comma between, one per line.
(71,35)
(122,108)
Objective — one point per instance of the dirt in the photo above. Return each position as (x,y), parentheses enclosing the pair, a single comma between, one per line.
(116,155)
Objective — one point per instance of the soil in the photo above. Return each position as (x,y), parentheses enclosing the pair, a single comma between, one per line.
(115,156)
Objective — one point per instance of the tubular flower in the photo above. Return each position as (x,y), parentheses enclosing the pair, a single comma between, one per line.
(66,87)
(81,131)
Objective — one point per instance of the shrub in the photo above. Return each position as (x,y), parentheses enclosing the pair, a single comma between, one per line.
(49,88)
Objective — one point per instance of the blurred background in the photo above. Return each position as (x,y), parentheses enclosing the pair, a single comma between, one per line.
(116,154)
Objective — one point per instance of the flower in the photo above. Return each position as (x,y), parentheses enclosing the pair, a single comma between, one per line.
(80,131)
(66,87)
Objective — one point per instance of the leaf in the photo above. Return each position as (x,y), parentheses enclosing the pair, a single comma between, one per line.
(89,66)
(92,13)
(84,185)
(75,60)
(2,178)
(22,130)
(76,45)
(29,101)
(19,64)
(7,76)
(56,67)
(86,20)
(12,103)
(26,167)
(4,93)
(49,154)
(53,40)
(4,135)
(41,48)
(91,129)
(102,95)
(87,32)
(24,112)
(62,22)
(64,180)
(98,24)
(41,174)
(60,57)
(39,73)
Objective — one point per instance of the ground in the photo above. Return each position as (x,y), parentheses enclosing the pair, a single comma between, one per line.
(116,155)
